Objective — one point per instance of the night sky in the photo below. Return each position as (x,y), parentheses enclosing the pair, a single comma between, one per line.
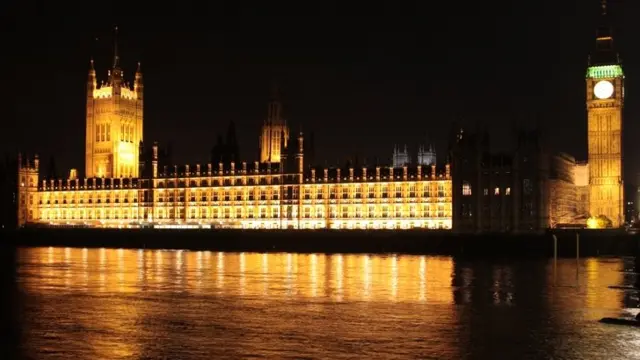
(361,78)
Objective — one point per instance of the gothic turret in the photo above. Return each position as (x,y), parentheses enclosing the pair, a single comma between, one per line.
(274,126)
(114,125)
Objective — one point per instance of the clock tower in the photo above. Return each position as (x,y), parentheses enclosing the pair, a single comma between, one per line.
(605,99)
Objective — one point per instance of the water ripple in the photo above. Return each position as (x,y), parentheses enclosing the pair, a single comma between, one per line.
(123,304)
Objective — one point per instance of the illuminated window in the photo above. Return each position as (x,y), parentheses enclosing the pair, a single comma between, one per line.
(496,191)
(466,188)
(486,191)
(507,191)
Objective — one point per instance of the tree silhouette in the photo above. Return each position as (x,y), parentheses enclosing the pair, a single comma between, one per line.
(52,172)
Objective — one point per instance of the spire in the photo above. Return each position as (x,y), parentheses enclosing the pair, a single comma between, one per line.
(604,53)
(116,57)
(275,91)
(274,115)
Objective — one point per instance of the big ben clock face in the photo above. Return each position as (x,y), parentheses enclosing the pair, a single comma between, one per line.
(603,89)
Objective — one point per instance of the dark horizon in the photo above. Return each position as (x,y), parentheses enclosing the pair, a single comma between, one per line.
(360,83)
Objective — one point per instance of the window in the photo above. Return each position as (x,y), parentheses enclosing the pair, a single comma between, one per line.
(527,187)
(496,191)
(507,191)
(466,188)
(486,191)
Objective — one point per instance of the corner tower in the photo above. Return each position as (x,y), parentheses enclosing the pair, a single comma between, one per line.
(274,131)
(114,123)
(605,100)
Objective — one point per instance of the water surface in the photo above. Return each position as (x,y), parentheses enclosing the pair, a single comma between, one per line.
(148,304)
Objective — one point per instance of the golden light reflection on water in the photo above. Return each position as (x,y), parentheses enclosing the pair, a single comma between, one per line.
(134,303)
(590,285)
(339,277)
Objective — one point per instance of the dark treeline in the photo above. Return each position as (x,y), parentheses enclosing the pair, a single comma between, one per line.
(8,195)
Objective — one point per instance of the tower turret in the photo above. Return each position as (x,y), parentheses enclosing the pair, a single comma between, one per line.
(605,101)
(300,154)
(273,128)
(138,85)
(283,157)
(114,126)
(154,160)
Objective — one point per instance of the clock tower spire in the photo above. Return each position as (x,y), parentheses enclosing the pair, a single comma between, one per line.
(605,100)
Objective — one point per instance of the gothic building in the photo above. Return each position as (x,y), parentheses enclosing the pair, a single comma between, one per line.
(275,131)
(130,186)
(499,192)
(605,101)
(426,157)
(401,157)
(114,122)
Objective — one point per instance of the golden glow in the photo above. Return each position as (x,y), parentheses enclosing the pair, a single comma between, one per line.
(349,205)
(270,142)
(365,277)
(598,222)
(594,277)
(604,111)
(114,128)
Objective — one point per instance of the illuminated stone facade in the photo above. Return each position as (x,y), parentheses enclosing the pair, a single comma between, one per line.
(581,178)
(114,124)
(124,187)
(275,133)
(260,196)
(562,190)
(605,98)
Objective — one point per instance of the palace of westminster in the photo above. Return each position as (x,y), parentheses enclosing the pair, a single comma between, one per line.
(126,185)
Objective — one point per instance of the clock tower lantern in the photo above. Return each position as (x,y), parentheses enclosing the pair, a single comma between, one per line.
(605,100)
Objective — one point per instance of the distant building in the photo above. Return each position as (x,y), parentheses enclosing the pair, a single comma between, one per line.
(426,157)
(499,192)
(401,158)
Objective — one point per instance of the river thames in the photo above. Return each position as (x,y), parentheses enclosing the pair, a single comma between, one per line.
(70,303)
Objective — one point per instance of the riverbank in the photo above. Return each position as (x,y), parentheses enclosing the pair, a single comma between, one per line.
(592,243)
